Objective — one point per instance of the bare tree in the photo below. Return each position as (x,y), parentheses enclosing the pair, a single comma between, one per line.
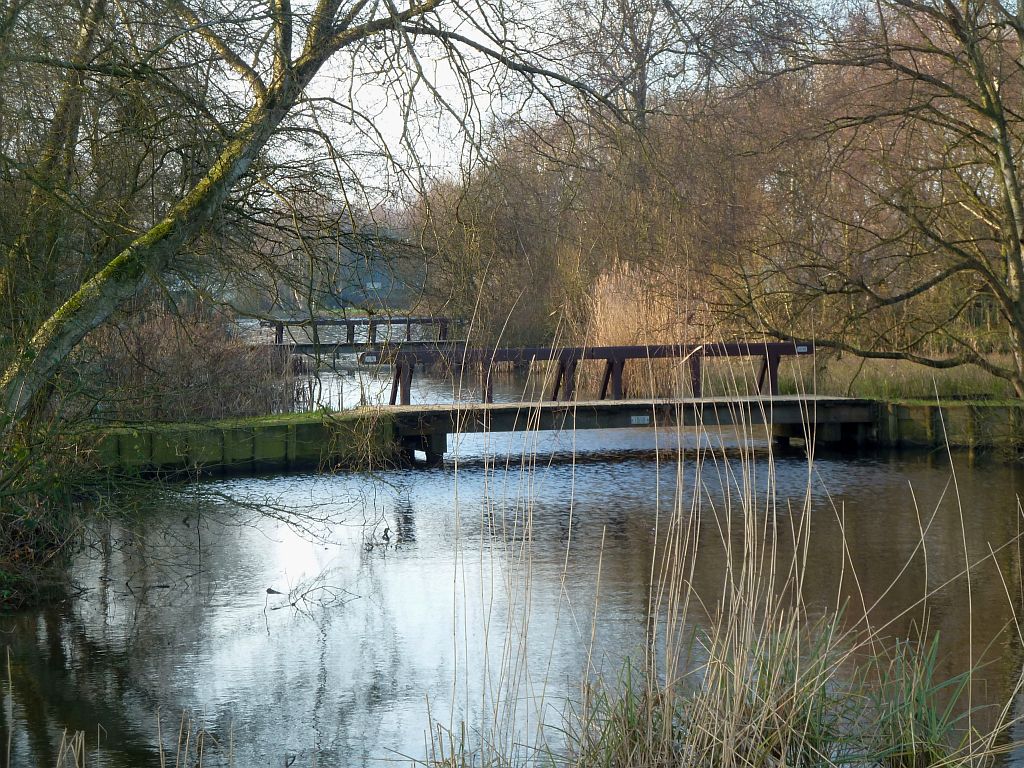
(894,222)
(253,65)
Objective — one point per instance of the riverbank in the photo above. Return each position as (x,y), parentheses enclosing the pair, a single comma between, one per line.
(980,425)
(374,438)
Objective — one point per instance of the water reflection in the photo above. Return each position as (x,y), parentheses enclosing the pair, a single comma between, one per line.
(498,587)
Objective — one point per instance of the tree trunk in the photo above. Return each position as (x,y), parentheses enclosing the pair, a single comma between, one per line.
(28,278)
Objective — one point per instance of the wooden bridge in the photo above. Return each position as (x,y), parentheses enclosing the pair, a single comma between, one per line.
(371,323)
(311,441)
(426,427)
(567,359)
(826,420)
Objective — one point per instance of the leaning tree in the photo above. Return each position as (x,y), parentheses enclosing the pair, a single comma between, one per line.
(133,134)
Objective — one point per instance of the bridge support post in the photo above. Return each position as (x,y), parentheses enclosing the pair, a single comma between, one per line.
(828,434)
(486,381)
(350,333)
(435,447)
(433,444)
(613,376)
(401,382)
(556,387)
(618,391)
(858,435)
(782,434)
(565,379)
(696,378)
(279,333)
(605,378)
(570,380)
(406,382)
(769,371)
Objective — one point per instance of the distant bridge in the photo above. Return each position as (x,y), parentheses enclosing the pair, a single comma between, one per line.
(372,324)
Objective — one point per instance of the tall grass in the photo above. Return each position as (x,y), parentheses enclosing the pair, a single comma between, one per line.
(894,379)
(792,696)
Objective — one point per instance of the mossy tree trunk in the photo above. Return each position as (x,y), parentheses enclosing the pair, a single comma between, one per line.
(28,274)
(260,72)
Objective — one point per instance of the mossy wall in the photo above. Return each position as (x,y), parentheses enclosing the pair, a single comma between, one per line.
(960,425)
(358,439)
(371,438)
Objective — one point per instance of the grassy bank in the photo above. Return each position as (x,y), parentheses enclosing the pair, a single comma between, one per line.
(357,439)
(891,380)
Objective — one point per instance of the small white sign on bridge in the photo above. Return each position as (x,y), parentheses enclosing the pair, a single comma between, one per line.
(640,420)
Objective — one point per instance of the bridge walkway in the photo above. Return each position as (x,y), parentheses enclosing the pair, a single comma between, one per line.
(829,420)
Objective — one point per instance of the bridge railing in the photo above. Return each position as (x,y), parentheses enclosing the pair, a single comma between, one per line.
(443,325)
(567,358)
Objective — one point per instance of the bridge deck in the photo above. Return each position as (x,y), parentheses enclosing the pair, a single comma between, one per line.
(383,351)
(834,419)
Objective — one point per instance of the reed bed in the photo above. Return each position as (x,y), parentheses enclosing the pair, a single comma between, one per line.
(626,308)
(631,305)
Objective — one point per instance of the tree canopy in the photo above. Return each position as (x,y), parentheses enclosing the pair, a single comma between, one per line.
(139,142)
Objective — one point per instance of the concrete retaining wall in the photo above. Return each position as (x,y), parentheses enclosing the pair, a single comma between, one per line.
(277,443)
(374,438)
(961,425)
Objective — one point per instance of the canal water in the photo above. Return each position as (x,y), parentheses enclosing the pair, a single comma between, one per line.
(347,620)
